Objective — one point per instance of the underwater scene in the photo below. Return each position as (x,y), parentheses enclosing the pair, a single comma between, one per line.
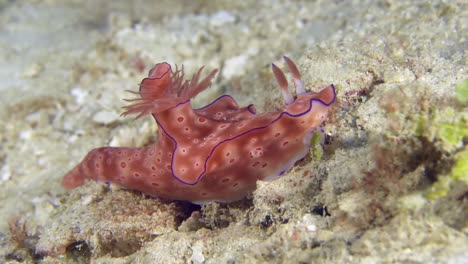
(266,131)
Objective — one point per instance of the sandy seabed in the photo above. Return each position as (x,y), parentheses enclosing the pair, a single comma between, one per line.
(385,187)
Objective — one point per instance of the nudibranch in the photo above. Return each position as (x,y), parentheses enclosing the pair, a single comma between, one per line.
(214,153)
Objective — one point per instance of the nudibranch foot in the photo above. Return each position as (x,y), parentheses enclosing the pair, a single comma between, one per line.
(214,153)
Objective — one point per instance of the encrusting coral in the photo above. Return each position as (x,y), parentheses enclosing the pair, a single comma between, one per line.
(214,153)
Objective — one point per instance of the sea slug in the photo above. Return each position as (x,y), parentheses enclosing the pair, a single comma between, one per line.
(214,153)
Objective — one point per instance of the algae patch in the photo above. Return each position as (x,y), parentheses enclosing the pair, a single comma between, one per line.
(460,169)
(447,126)
(461,92)
(316,148)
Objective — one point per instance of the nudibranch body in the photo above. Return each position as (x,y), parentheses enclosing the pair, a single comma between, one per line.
(215,153)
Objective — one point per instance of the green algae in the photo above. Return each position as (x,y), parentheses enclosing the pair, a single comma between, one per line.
(439,189)
(316,148)
(420,126)
(461,91)
(459,172)
(447,126)
(452,134)
(460,169)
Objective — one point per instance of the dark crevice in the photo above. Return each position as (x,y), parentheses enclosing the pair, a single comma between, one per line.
(186,211)
(320,210)
(79,252)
